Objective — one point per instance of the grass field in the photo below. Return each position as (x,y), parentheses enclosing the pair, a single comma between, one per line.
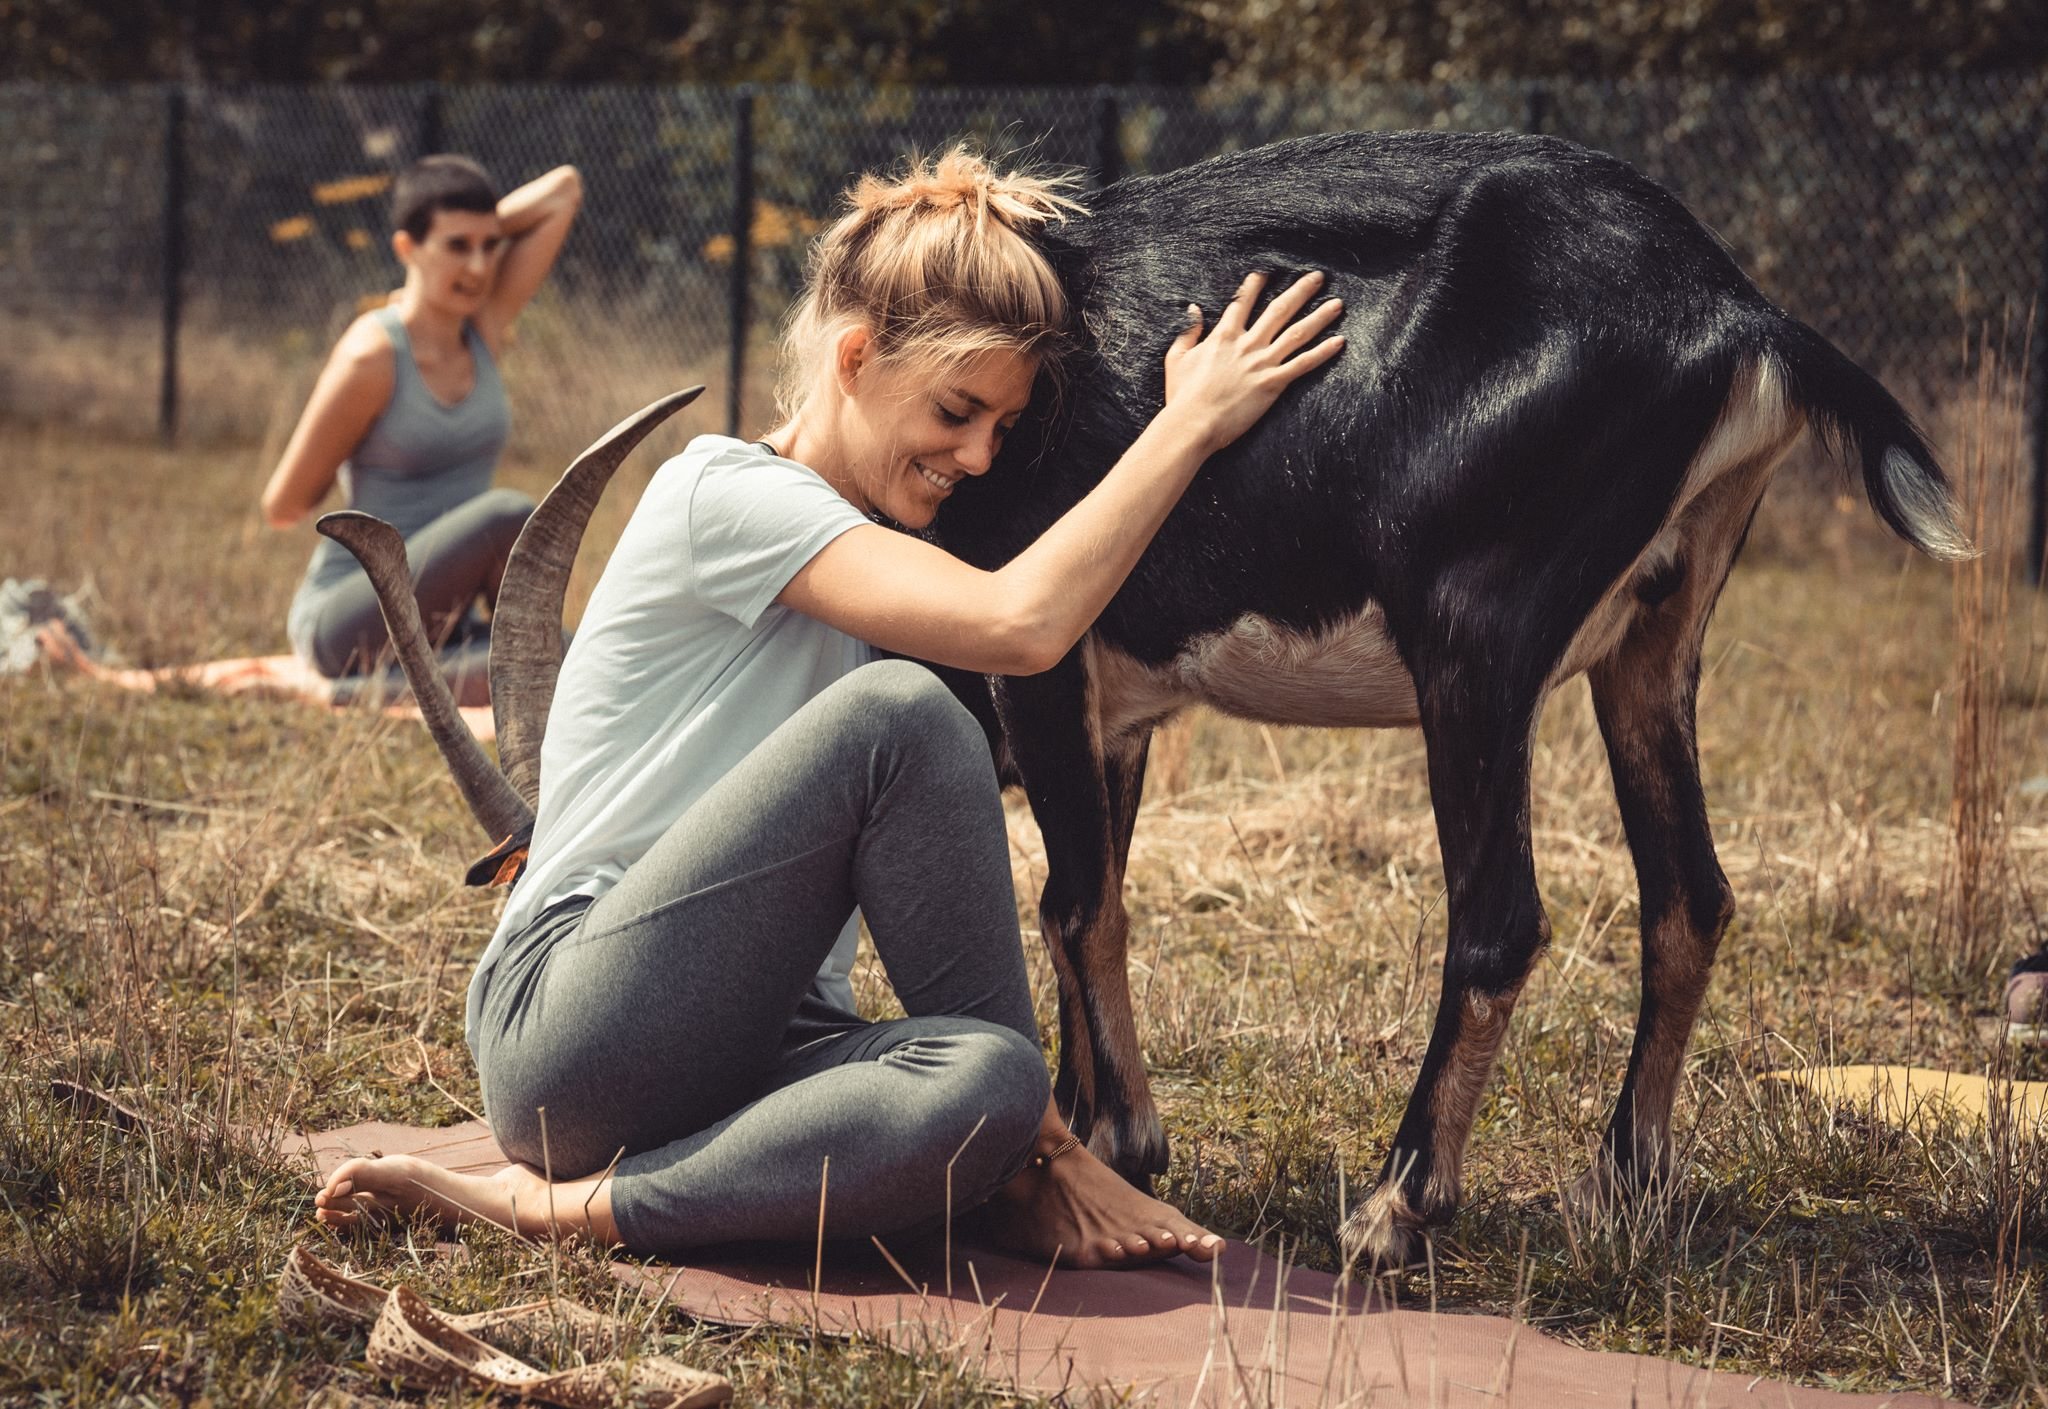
(246,916)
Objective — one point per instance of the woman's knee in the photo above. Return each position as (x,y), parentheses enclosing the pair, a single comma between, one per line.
(341,642)
(907,701)
(998,1088)
(504,512)
(566,1143)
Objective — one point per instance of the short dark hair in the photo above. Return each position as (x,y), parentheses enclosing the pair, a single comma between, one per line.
(445,182)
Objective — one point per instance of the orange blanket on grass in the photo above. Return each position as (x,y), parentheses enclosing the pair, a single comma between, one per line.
(1905,1096)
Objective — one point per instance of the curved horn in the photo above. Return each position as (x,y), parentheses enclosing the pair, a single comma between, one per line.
(526,627)
(381,551)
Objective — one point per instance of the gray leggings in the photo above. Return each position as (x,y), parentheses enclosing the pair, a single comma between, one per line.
(672,1017)
(455,560)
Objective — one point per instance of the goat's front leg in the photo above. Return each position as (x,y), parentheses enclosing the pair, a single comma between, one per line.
(1085,799)
(1479,783)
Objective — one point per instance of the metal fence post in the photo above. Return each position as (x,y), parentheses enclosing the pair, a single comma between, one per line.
(2037,346)
(742,251)
(2037,499)
(432,118)
(174,260)
(1106,134)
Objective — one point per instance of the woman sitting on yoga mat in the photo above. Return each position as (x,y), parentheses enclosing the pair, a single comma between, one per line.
(728,772)
(409,415)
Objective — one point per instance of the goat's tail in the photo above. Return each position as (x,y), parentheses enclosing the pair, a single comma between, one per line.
(1855,415)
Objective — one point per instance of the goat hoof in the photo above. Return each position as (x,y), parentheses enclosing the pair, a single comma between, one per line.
(1610,1189)
(1150,1155)
(1136,1150)
(1385,1233)
(1590,1198)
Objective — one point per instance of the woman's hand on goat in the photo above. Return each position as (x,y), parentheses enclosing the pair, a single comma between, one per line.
(911,597)
(1224,382)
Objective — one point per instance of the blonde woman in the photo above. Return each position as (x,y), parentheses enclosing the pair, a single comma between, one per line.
(730,779)
(409,416)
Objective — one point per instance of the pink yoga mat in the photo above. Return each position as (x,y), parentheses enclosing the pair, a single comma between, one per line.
(1250,1330)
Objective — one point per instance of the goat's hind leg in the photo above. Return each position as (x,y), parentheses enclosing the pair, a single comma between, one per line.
(1644,695)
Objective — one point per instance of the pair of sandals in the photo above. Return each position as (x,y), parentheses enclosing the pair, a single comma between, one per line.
(425,1349)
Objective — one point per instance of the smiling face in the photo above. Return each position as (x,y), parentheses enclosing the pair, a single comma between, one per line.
(910,437)
(456,261)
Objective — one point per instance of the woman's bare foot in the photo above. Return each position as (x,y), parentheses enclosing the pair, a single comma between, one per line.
(1079,1209)
(60,650)
(365,1192)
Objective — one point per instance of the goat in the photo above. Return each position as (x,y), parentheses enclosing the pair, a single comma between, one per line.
(1559,406)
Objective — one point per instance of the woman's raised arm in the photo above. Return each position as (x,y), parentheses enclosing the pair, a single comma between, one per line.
(536,220)
(907,596)
(354,388)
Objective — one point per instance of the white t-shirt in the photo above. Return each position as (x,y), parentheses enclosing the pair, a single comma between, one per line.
(683,662)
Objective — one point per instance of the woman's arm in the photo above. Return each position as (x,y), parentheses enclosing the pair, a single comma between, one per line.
(905,595)
(536,220)
(354,388)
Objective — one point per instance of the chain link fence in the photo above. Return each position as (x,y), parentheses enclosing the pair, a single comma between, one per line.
(235,231)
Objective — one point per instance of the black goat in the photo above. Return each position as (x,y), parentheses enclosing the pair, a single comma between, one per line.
(1539,453)
(1559,404)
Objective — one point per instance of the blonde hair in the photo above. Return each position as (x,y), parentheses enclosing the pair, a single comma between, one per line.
(939,266)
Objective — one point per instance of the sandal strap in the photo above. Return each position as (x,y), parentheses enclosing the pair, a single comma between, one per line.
(313,1292)
(419,1347)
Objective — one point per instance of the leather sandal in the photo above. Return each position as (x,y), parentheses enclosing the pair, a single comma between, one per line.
(422,1349)
(313,1292)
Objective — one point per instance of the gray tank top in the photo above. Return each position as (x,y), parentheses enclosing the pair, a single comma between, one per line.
(420,459)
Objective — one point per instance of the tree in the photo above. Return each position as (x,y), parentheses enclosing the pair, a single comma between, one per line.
(1323,41)
(817,41)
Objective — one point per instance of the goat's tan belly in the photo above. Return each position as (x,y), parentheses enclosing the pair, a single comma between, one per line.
(1347,676)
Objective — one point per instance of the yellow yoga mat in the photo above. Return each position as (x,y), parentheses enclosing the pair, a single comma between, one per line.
(1904,1095)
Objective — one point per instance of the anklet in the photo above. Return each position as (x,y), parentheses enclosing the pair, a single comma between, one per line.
(1072,1142)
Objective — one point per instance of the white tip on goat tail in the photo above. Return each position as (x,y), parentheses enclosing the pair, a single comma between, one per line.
(1927,506)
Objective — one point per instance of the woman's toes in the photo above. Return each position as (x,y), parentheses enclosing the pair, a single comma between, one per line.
(1164,1238)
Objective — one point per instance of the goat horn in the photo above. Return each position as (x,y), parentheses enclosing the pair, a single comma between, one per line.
(378,547)
(526,627)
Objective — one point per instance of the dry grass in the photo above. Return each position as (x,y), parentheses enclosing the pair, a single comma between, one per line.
(246,915)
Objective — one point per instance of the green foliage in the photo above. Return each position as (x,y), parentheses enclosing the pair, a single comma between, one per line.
(1053,42)
(1293,41)
(814,41)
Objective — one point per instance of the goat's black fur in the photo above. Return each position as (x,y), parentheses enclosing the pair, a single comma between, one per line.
(1539,343)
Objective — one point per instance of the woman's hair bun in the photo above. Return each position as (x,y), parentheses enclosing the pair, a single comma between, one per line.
(962,178)
(938,261)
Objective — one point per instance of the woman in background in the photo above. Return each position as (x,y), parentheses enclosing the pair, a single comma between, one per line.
(409,415)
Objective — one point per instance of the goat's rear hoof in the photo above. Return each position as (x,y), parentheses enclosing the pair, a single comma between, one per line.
(1610,1189)
(1591,1198)
(1385,1234)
